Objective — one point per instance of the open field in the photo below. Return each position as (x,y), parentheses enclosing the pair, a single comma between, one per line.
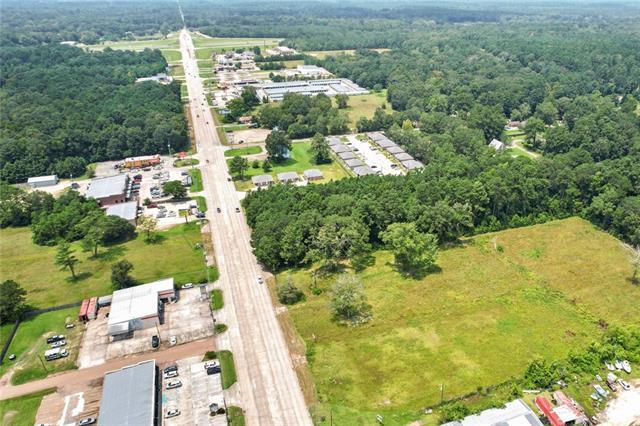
(160,42)
(171,55)
(21,411)
(232,43)
(299,162)
(365,106)
(321,54)
(540,294)
(243,151)
(33,266)
(29,343)
(292,64)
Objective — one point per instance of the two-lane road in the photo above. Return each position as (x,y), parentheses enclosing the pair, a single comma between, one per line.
(268,385)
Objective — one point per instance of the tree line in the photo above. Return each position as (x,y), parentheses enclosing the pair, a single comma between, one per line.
(64,108)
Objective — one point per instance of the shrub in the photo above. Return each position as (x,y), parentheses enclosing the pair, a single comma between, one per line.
(288,293)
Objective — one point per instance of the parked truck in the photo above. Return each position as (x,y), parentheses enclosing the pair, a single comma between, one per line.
(55,353)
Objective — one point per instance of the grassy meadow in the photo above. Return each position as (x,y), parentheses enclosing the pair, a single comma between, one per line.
(250,150)
(365,106)
(33,266)
(496,302)
(299,162)
(22,411)
(30,342)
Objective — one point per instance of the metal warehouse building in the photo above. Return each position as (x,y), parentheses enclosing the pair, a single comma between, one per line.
(108,190)
(40,181)
(138,307)
(130,396)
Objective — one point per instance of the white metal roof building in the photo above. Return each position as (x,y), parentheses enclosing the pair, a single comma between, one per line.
(330,87)
(514,413)
(394,150)
(107,187)
(137,307)
(338,148)
(381,140)
(354,163)
(497,145)
(40,181)
(347,155)
(128,211)
(363,170)
(129,396)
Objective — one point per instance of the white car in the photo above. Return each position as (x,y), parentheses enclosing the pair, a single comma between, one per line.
(172,412)
(170,374)
(260,280)
(187,285)
(625,385)
(173,384)
(173,340)
(210,364)
(59,344)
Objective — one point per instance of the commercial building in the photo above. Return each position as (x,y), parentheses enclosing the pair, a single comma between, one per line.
(40,181)
(288,177)
(127,211)
(514,413)
(311,70)
(312,174)
(142,161)
(330,87)
(130,396)
(108,190)
(281,51)
(161,78)
(138,307)
(262,180)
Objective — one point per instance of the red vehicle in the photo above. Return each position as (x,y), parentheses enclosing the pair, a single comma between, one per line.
(152,206)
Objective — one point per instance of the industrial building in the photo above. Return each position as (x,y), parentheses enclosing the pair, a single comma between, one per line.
(108,190)
(40,181)
(330,87)
(138,307)
(514,413)
(311,70)
(131,396)
(127,211)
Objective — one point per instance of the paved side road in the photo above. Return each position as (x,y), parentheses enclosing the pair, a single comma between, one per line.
(73,378)
(267,383)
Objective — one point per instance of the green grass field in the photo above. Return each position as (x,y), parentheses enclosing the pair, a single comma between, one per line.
(22,411)
(365,105)
(243,151)
(29,342)
(196,180)
(299,162)
(159,42)
(33,266)
(171,55)
(322,54)
(476,322)
(201,201)
(232,43)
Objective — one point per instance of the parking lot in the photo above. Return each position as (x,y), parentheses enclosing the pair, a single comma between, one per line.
(373,157)
(188,319)
(193,398)
(68,408)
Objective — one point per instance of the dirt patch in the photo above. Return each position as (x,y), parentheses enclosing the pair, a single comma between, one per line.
(67,406)
(624,409)
(250,135)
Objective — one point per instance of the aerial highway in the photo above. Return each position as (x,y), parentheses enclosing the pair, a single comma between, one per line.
(269,389)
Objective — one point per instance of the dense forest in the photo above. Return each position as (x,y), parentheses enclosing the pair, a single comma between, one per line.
(64,108)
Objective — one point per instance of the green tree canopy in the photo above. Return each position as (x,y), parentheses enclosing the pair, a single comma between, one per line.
(348,303)
(413,251)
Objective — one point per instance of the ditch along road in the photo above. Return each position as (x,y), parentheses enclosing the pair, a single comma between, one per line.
(268,387)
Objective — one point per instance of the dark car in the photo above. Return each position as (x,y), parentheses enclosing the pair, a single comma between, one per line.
(54,339)
(171,367)
(218,209)
(155,342)
(213,370)
(237,209)
(137,177)
(75,185)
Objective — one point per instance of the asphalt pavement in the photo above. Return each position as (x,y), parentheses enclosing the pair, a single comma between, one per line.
(268,386)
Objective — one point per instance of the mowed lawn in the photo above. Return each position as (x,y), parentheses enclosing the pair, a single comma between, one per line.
(365,106)
(169,42)
(478,321)
(33,266)
(30,342)
(299,162)
(21,411)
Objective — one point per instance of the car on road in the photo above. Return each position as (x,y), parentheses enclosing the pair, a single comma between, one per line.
(172,412)
(218,210)
(172,384)
(260,281)
(155,342)
(237,209)
(173,340)
(75,185)
(55,338)
(87,421)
